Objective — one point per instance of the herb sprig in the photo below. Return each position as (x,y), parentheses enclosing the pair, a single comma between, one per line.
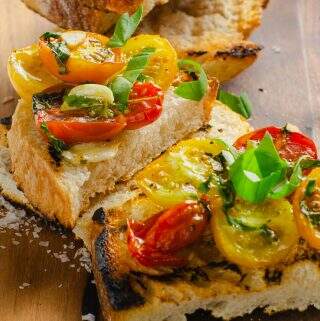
(56,146)
(239,104)
(195,89)
(125,28)
(59,48)
(121,85)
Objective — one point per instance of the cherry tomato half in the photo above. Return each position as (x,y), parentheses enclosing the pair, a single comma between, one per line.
(306,209)
(80,129)
(157,241)
(291,145)
(89,58)
(145,105)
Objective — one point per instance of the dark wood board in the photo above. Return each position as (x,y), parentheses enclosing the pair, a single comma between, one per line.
(284,86)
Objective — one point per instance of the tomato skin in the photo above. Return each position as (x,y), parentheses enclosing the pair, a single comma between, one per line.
(79,68)
(310,233)
(80,129)
(142,111)
(156,241)
(291,145)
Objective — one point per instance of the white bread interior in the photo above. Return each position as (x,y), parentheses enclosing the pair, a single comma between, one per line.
(63,192)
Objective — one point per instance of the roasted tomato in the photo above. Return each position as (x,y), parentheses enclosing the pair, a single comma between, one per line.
(177,175)
(291,145)
(145,105)
(163,64)
(157,241)
(254,235)
(74,129)
(27,74)
(306,209)
(79,57)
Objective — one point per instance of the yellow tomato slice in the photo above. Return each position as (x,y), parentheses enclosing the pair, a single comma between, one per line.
(176,175)
(90,60)
(27,73)
(163,67)
(267,236)
(306,209)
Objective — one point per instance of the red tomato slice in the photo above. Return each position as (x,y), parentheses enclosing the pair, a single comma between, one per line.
(291,145)
(156,241)
(80,129)
(145,105)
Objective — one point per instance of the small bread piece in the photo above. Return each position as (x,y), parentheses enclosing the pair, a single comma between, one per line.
(89,15)
(63,192)
(210,32)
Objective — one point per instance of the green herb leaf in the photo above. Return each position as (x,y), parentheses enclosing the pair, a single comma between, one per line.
(313,215)
(310,188)
(286,187)
(257,171)
(125,28)
(263,229)
(82,101)
(56,146)
(309,163)
(196,89)
(121,85)
(239,104)
(59,49)
(204,187)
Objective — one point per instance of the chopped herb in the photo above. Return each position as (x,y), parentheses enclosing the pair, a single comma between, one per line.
(263,229)
(97,106)
(287,186)
(56,146)
(312,215)
(204,187)
(59,48)
(309,163)
(239,104)
(122,85)
(195,89)
(45,100)
(257,171)
(310,188)
(125,28)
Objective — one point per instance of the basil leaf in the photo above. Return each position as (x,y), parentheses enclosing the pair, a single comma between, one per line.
(257,171)
(288,186)
(309,163)
(239,104)
(56,146)
(59,49)
(125,28)
(82,101)
(310,188)
(196,89)
(121,85)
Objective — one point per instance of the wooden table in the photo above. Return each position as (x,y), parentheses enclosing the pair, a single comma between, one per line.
(284,86)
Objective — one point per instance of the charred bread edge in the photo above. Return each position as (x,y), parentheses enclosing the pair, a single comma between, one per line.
(120,293)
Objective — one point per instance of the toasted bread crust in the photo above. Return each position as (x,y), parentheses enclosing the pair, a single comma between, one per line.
(34,170)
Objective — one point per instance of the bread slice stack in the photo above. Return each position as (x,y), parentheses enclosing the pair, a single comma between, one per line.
(213,32)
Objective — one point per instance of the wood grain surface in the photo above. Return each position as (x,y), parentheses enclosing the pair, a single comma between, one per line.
(284,86)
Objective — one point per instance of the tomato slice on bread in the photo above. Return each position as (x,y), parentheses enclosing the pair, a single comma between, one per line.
(145,105)
(291,145)
(79,57)
(157,241)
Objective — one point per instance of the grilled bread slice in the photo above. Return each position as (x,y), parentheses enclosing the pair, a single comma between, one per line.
(129,291)
(212,32)
(63,191)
